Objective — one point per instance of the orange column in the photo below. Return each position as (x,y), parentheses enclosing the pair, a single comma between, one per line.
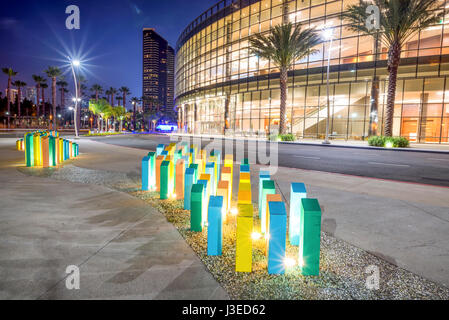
(180,165)
(45,157)
(223,190)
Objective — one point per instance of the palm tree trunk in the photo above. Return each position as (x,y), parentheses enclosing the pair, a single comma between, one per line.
(8,98)
(124,101)
(226,113)
(134,117)
(282,111)
(121,125)
(53,100)
(394,55)
(37,100)
(43,101)
(19,95)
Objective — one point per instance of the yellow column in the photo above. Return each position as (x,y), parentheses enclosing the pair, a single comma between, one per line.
(244,242)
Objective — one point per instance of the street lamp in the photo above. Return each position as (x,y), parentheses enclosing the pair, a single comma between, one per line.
(75,63)
(328,35)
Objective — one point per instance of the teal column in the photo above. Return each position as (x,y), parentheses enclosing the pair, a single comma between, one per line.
(195,167)
(196,205)
(216,153)
(51,151)
(188,182)
(263,175)
(214,226)
(152,170)
(205,200)
(210,169)
(310,237)
(297,192)
(159,149)
(244,168)
(268,187)
(276,242)
(145,173)
(245,161)
(164,153)
(29,151)
(165,175)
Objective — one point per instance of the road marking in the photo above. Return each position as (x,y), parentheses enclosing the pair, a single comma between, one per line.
(436,159)
(304,157)
(389,164)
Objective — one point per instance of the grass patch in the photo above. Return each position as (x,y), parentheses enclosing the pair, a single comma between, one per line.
(102,134)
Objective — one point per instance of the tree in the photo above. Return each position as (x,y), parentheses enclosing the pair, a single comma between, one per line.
(284,46)
(19,84)
(97,89)
(125,91)
(100,108)
(53,73)
(112,92)
(38,80)
(44,86)
(62,84)
(10,73)
(120,114)
(399,21)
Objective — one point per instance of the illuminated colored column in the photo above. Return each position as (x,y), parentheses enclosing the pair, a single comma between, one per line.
(297,192)
(194,166)
(51,151)
(270,198)
(70,150)
(199,162)
(210,170)
(159,149)
(277,239)
(29,150)
(196,211)
(56,151)
(223,190)
(159,160)
(18,145)
(61,150)
(245,177)
(226,175)
(188,182)
(268,187)
(151,170)
(244,168)
(310,237)
(263,175)
(244,195)
(244,242)
(145,173)
(37,149)
(214,226)
(186,159)
(165,176)
(206,195)
(45,153)
(217,154)
(179,190)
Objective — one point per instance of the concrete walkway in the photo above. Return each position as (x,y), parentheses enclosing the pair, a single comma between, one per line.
(124,248)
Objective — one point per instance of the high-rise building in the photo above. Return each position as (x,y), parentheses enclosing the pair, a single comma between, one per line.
(158,74)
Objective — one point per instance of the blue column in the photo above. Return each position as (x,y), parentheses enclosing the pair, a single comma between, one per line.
(263,175)
(210,169)
(159,149)
(216,153)
(244,168)
(145,173)
(297,192)
(188,182)
(276,242)
(214,229)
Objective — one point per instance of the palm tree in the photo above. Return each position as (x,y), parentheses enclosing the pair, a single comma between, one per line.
(399,21)
(44,86)
(134,101)
(38,79)
(53,72)
(284,46)
(62,84)
(102,109)
(120,114)
(112,92)
(97,89)
(125,91)
(10,73)
(19,84)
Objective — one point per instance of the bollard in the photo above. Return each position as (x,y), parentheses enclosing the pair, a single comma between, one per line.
(196,206)
(29,150)
(165,183)
(245,177)
(70,150)
(151,170)
(297,192)
(244,168)
(217,154)
(244,194)
(56,151)
(268,187)
(277,237)
(52,151)
(145,173)
(226,175)
(270,198)
(37,149)
(61,150)
(310,237)
(223,190)
(159,160)
(194,166)
(244,242)
(45,153)
(188,182)
(159,149)
(210,169)
(206,195)
(215,226)
(186,159)
(179,190)
(263,175)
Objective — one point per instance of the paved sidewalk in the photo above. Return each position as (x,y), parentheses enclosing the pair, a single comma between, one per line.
(124,248)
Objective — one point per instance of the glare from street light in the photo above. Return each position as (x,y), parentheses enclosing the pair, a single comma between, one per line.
(76,63)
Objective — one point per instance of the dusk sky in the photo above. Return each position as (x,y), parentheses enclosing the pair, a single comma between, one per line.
(33,36)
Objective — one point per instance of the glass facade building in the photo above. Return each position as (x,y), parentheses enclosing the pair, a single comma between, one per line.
(214,69)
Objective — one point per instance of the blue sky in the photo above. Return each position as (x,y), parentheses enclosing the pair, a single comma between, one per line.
(33,36)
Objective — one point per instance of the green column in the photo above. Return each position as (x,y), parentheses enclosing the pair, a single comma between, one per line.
(51,151)
(29,150)
(310,236)
(196,207)
(165,174)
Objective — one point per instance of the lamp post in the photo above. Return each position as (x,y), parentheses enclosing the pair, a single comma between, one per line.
(73,64)
(328,35)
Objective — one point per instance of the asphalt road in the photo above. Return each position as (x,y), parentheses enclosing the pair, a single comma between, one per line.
(418,167)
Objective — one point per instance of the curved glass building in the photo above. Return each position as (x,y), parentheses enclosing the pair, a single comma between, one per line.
(215,72)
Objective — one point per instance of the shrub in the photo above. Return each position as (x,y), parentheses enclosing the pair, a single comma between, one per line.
(287,137)
(395,142)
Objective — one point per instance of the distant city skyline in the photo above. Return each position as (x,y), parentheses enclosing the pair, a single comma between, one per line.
(34,37)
